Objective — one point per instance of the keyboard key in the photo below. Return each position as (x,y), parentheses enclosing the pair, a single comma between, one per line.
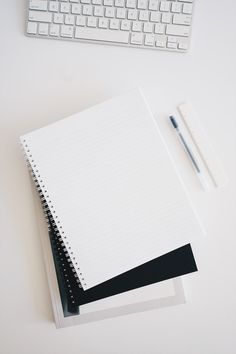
(171,45)
(182,19)
(58,18)
(149,40)
(143,15)
(103,23)
(108,2)
(137,26)
(32,27)
(166,18)
(160,44)
(165,6)
(148,27)
(39,16)
(119,3)
(131,4)
(81,21)
(65,8)
(87,10)
(153,5)
(132,14)
(125,25)
(53,6)
(136,38)
(97,2)
(98,11)
(120,13)
(155,16)
(92,21)
(76,9)
(54,30)
(114,24)
(142,4)
(176,7)
(161,41)
(172,39)
(177,30)
(110,12)
(43,29)
(102,35)
(159,28)
(69,19)
(67,31)
(38,5)
(183,46)
(187,9)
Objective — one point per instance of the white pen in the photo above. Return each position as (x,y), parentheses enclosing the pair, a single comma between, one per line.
(189,153)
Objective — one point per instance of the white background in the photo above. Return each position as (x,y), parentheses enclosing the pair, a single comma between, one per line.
(43,81)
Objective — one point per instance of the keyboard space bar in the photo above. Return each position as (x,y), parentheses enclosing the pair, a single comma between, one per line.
(102,35)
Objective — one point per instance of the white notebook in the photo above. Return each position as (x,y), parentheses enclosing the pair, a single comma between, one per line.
(110,184)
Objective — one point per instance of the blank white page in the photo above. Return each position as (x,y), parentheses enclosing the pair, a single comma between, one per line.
(112,188)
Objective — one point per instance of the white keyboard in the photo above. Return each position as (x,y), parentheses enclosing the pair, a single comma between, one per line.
(137,23)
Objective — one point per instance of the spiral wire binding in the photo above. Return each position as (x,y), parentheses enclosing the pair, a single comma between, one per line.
(68,279)
(70,287)
(59,232)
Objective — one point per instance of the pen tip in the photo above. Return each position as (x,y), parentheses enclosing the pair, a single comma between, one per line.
(173,121)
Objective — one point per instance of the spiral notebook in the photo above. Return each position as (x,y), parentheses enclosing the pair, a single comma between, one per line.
(148,290)
(112,190)
(74,300)
(173,264)
(136,290)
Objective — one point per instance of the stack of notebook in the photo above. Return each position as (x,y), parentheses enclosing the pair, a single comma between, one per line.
(118,215)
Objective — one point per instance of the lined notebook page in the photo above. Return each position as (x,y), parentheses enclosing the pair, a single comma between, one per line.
(111,187)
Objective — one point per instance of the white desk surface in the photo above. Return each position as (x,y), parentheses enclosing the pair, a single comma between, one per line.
(42,81)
